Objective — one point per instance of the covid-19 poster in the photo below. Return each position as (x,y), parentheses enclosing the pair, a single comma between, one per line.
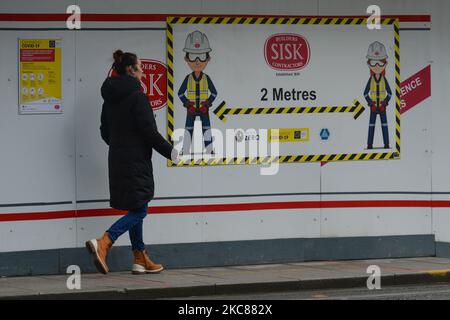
(321,89)
(40,76)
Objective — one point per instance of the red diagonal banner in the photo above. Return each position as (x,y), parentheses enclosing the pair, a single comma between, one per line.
(416,89)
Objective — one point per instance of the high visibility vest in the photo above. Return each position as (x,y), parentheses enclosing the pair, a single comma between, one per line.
(378,89)
(191,88)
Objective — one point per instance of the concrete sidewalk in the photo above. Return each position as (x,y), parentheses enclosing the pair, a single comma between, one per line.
(229,280)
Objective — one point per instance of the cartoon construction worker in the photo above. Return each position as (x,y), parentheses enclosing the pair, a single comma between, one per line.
(377,92)
(197,92)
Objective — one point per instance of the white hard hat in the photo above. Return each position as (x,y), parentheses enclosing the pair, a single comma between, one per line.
(377,51)
(197,42)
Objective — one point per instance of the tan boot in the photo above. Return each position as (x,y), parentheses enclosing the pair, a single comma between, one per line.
(142,264)
(99,248)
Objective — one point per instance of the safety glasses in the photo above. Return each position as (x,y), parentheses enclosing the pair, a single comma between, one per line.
(374,63)
(200,56)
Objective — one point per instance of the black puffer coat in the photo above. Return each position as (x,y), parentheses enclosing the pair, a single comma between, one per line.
(128,126)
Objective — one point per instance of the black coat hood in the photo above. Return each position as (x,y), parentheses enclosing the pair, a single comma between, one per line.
(116,89)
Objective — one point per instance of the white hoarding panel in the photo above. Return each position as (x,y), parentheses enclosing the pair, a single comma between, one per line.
(305,76)
(37,151)
(370,222)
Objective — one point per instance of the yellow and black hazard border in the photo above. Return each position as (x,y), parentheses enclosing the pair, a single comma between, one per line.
(287,21)
(221,111)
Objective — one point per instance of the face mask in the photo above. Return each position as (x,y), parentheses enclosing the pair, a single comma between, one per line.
(192,57)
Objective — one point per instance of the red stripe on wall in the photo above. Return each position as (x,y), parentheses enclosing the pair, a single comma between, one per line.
(147,17)
(85,213)
(37,215)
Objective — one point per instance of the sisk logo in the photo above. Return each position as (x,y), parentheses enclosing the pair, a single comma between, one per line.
(154,82)
(287,52)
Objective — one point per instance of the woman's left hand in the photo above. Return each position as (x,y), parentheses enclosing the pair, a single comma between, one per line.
(175,156)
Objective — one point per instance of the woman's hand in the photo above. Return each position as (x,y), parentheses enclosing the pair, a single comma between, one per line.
(175,156)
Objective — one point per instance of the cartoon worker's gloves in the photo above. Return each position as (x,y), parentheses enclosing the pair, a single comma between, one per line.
(381,106)
(204,106)
(206,103)
(373,106)
(191,109)
(190,106)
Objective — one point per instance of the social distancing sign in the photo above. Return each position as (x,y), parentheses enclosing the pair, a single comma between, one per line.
(40,76)
(296,77)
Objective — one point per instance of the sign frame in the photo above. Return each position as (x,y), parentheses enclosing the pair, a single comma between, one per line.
(341,20)
(56,66)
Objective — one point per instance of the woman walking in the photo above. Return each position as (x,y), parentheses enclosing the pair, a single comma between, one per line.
(128,126)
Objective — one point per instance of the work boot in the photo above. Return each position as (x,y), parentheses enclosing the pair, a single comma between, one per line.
(99,249)
(142,264)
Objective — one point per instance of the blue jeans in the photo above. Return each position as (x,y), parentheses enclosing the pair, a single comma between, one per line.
(133,223)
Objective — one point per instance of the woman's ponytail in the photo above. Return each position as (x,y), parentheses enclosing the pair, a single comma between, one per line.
(123,60)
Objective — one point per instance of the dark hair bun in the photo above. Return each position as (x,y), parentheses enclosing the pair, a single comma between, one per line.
(117,56)
(122,60)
